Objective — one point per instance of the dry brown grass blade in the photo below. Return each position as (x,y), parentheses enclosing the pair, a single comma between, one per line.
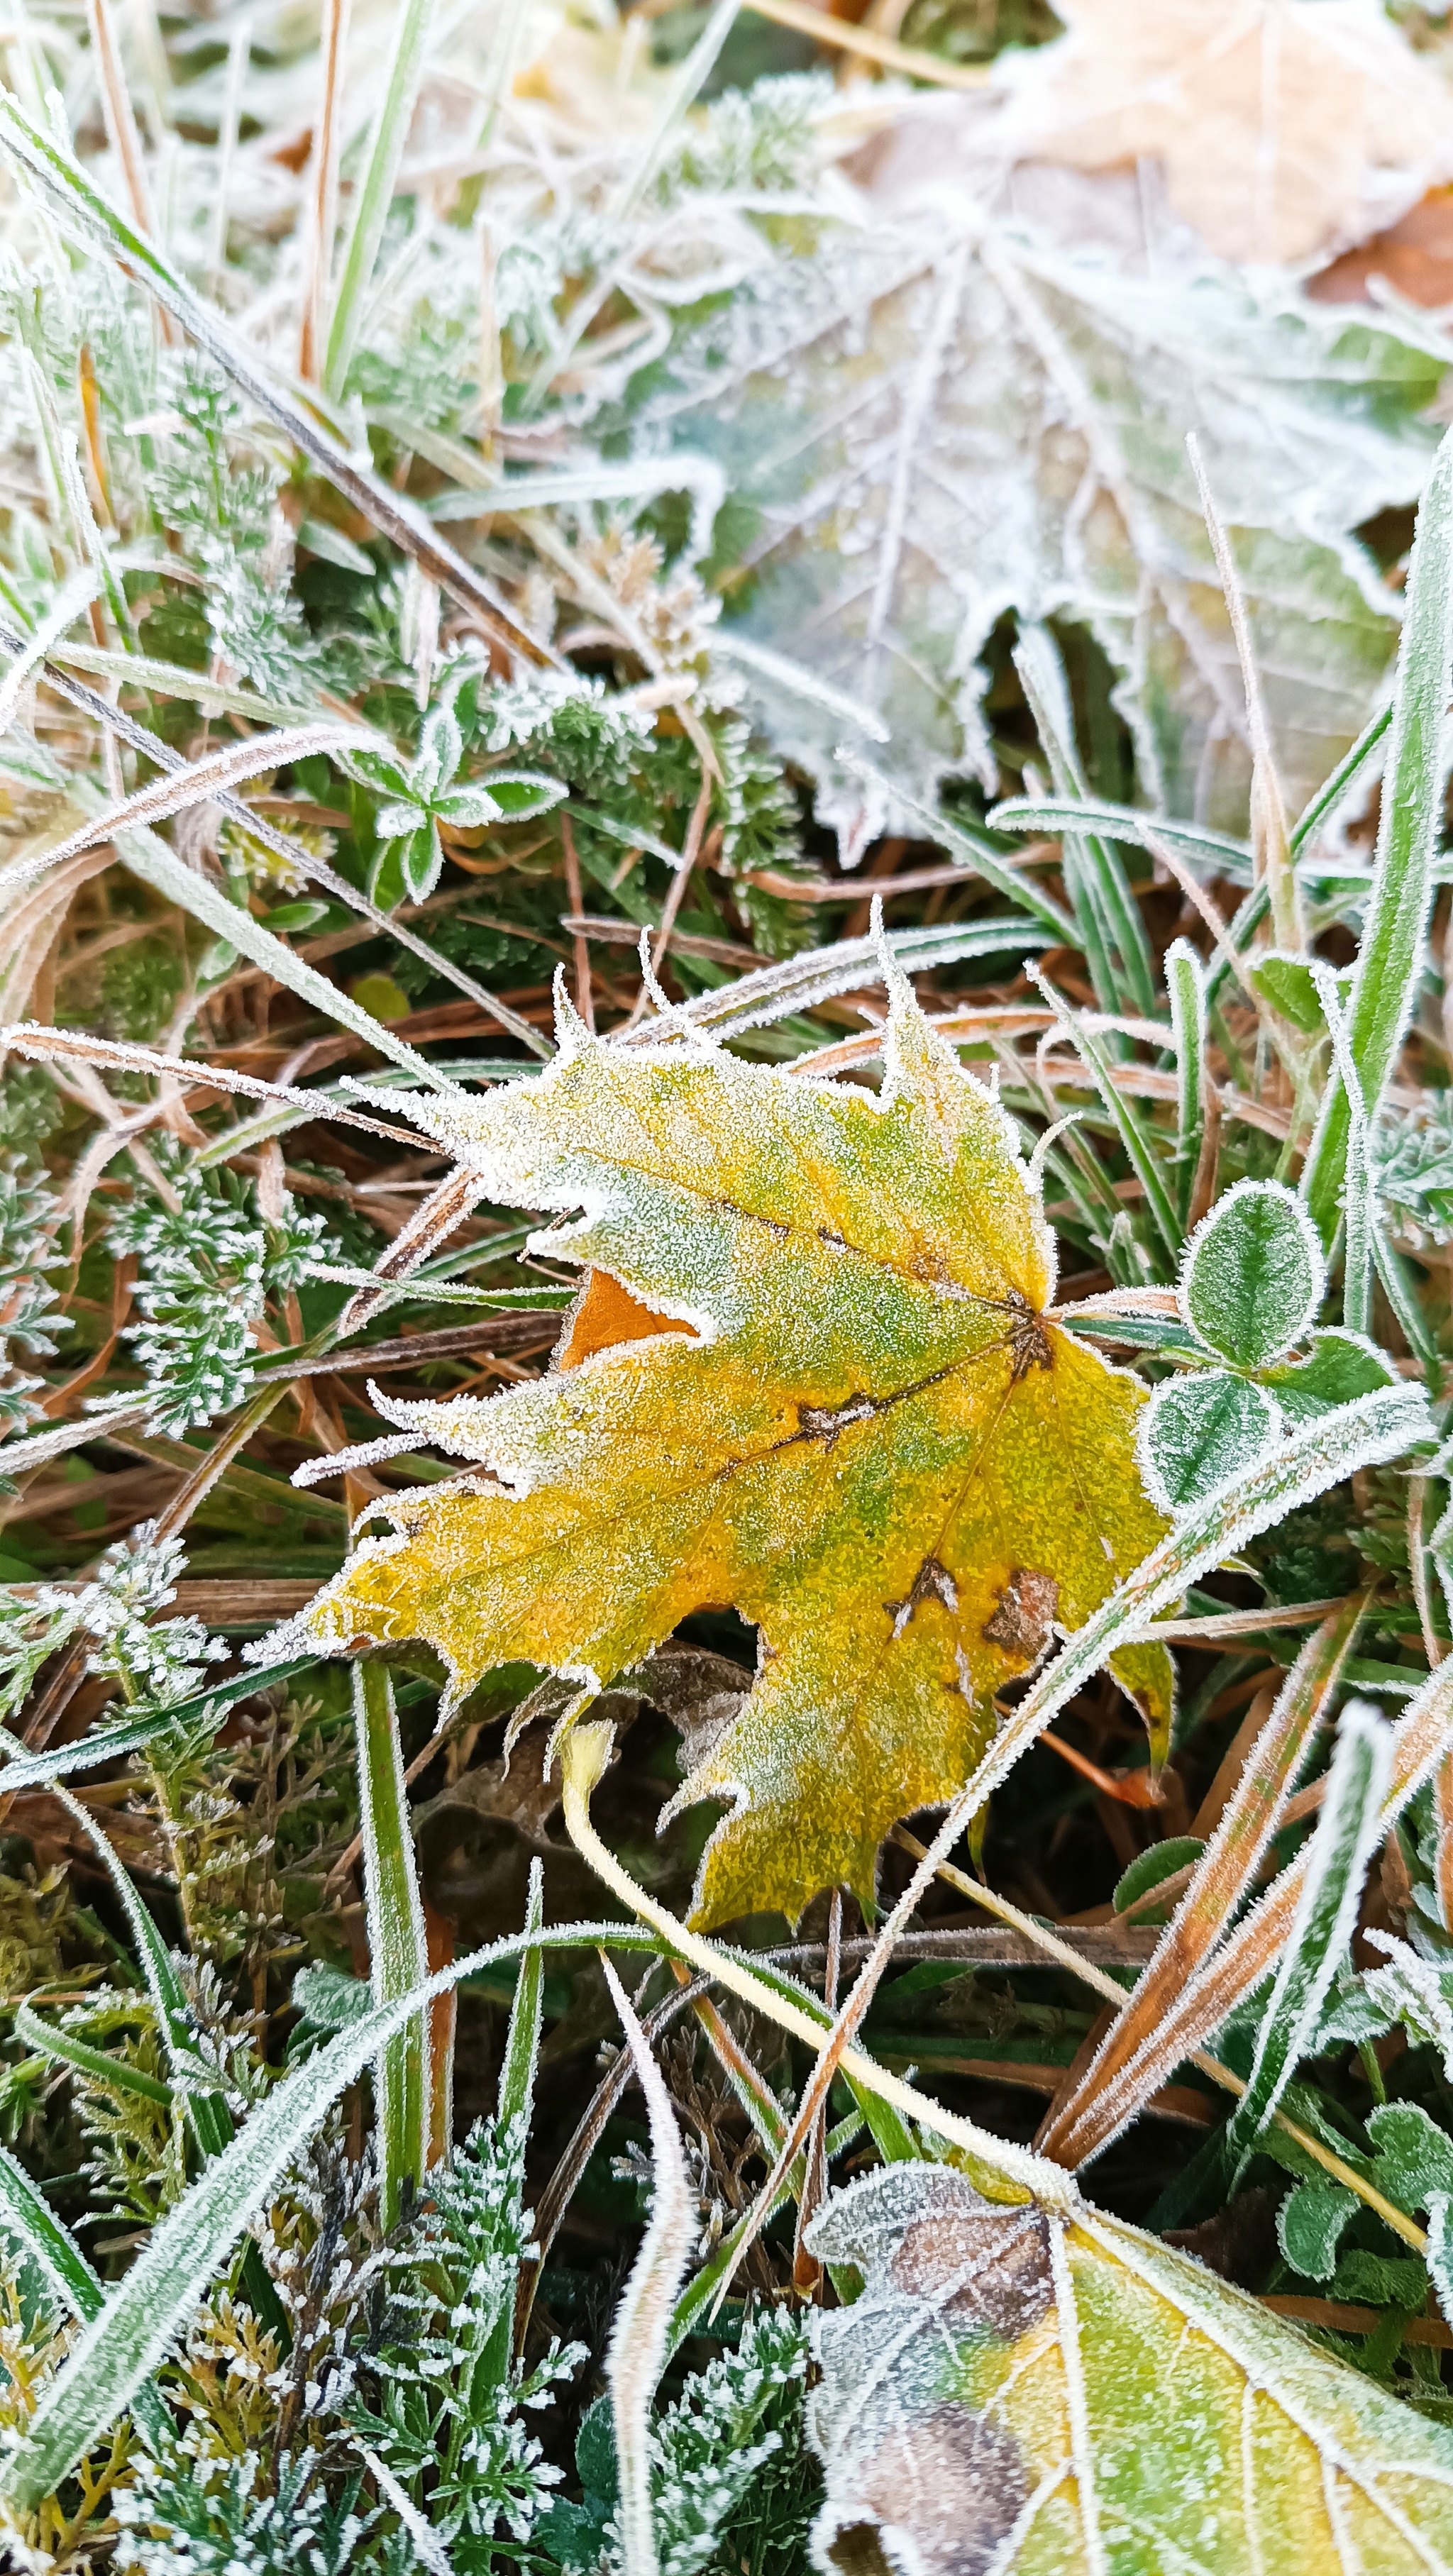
(323,207)
(1221,1877)
(119,1055)
(536,1331)
(431,1224)
(1421,1739)
(296,854)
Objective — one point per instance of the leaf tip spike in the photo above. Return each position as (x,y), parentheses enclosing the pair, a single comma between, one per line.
(572,1037)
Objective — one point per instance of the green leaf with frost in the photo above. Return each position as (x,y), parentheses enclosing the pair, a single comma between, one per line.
(930,419)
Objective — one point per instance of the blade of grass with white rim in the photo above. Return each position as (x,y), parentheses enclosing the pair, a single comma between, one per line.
(397,1947)
(199,782)
(295,854)
(1349,1830)
(1353,765)
(1389,957)
(641,2335)
(204,2109)
(979,855)
(45,2039)
(35,2232)
(123,2345)
(1366,1244)
(1211,850)
(817,974)
(123,1055)
(373,194)
(72,597)
(83,211)
(1113,934)
(149,858)
(1138,1140)
(130,1734)
(174,680)
(1186,986)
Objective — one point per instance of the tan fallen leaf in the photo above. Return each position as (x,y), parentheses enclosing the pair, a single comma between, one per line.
(1285,127)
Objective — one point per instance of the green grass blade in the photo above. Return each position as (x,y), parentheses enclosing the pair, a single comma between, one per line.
(396,1942)
(123,2345)
(376,188)
(67,2050)
(1186,984)
(38,2235)
(1389,959)
(1116,949)
(148,857)
(1212,850)
(1340,784)
(1139,1141)
(974,849)
(800,983)
(130,1734)
(522,2045)
(1348,1831)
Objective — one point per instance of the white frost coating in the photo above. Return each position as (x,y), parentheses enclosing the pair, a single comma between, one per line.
(1294,1320)
(1412,1990)
(429,2549)
(640,2337)
(1172,1427)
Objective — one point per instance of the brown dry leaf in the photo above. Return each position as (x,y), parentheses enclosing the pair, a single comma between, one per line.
(1285,127)
(1414,257)
(1051,2392)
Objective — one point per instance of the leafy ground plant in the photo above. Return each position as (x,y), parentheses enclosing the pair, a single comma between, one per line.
(727,1775)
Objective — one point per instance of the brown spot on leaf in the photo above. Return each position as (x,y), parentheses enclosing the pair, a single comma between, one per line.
(1029,1342)
(948,2488)
(1026,1613)
(932,1582)
(989,2268)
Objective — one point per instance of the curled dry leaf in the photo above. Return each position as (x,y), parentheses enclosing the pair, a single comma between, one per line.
(1058,2394)
(1285,127)
(813,1378)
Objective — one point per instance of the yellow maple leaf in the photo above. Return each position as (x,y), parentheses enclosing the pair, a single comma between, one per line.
(844,1412)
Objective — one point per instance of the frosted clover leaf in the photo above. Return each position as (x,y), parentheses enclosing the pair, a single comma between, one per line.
(418,797)
(1251,1282)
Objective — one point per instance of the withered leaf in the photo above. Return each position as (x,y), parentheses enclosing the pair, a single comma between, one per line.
(1049,2391)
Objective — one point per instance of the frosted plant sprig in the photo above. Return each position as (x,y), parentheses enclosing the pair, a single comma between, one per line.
(1415,1173)
(451,2399)
(422,794)
(709,2450)
(186,2515)
(29,1307)
(208,1267)
(156,1665)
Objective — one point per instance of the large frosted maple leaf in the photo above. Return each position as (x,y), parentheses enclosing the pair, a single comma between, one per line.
(830,1396)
